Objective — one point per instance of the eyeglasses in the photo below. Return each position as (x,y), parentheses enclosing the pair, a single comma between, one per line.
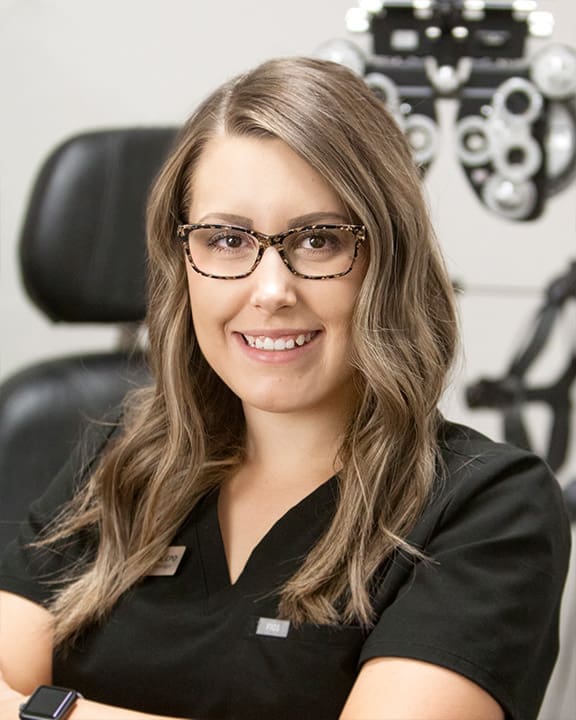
(315,252)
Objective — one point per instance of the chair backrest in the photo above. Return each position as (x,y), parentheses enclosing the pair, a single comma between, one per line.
(43,412)
(82,251)
(82,244)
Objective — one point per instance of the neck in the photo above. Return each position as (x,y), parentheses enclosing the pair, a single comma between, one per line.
(286,446)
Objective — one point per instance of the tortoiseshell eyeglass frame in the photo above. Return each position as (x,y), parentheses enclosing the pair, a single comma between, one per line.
(266,241)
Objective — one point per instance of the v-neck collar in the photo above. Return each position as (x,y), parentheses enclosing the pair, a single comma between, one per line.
(275,557)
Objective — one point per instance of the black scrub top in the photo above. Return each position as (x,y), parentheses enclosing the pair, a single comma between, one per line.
(484,604)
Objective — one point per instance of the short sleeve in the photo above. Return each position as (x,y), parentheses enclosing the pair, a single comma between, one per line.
(486,601)
(32,571)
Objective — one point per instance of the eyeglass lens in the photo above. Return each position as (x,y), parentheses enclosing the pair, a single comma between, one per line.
(316,252)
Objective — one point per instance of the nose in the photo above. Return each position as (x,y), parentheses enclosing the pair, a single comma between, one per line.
(273,283)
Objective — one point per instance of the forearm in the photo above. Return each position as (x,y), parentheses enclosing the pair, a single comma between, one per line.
(84,709)
(90,710)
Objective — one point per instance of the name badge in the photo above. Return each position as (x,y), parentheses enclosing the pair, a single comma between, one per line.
(170,562)
(273,627)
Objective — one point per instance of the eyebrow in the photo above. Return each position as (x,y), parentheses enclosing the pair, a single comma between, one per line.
(309,219)
(318,217)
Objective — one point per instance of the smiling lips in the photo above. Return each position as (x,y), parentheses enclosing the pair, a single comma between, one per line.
(286,342)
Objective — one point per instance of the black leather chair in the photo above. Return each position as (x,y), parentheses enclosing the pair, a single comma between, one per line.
(82,252)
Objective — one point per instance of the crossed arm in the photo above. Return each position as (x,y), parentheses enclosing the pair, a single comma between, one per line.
(26,661)
(386,688)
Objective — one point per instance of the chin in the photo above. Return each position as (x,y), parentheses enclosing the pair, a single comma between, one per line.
(279,402)
(278,406)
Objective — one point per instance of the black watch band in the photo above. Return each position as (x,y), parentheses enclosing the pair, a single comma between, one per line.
(49,702)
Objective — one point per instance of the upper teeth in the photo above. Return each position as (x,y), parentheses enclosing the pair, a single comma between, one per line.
(263,342)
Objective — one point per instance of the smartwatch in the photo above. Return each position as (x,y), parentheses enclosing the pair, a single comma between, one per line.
(48,702)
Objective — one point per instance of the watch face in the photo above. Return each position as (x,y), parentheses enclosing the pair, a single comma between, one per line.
(48,702)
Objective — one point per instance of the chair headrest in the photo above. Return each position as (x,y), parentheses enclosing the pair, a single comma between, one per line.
(82,247)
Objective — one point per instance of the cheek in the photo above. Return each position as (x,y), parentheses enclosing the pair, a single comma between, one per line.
(202,295)
(202,308)
(212,305)
(337,304)
(341,320)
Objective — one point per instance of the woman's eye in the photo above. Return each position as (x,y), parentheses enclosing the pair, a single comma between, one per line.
(319,241)
(228,241)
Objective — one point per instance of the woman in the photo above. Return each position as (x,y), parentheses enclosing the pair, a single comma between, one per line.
(283,526)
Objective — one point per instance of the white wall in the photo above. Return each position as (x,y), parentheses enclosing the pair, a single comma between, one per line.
(67,66)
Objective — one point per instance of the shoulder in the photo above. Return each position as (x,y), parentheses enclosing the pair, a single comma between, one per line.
(95,439)
(484,600)
(467,452)
(494,504)
(472,466)
(29,569)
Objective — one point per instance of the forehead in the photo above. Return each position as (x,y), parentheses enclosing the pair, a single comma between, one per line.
(259,178)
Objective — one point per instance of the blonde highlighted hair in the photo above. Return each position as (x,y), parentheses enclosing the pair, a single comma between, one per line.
(183,434)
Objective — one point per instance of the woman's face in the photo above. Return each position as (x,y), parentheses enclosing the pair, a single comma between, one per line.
(263,185)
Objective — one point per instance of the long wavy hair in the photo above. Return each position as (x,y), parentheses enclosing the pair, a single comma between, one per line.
(182,435)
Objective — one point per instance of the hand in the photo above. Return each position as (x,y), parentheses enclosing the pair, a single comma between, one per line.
(10,700)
